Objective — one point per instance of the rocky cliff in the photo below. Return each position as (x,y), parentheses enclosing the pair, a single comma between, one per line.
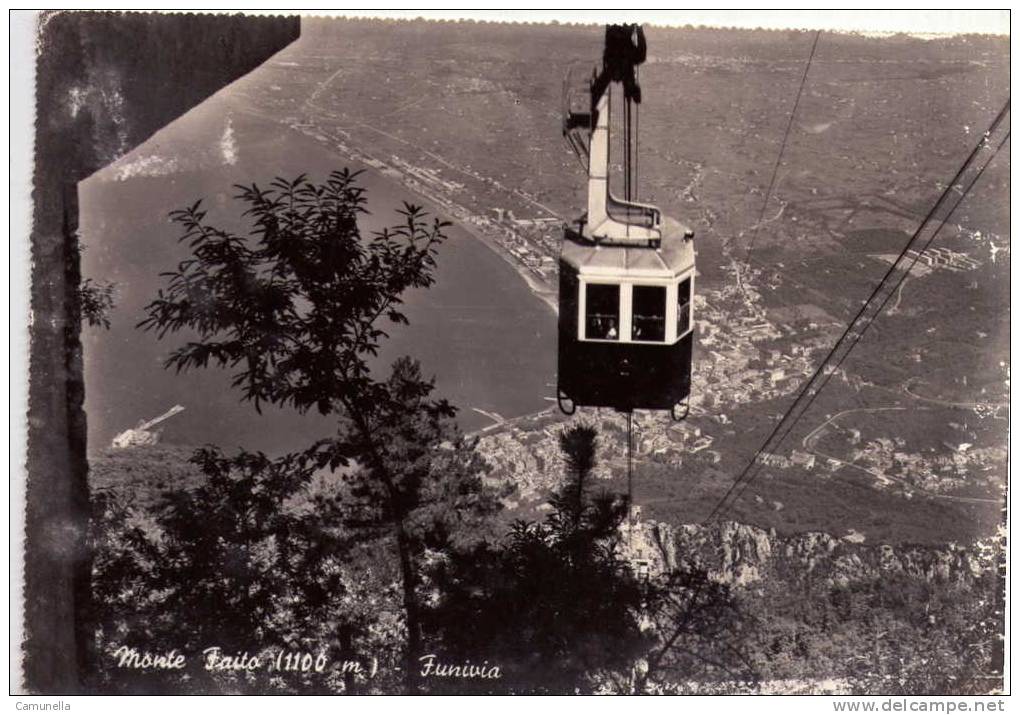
(742,555)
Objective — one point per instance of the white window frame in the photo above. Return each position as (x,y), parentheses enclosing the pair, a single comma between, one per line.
(625,328)
(689,275)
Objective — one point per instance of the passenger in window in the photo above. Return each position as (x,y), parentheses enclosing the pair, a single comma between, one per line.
(611,333)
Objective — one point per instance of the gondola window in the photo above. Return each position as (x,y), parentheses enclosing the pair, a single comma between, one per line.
(683,308)
(602,312)
(649,323)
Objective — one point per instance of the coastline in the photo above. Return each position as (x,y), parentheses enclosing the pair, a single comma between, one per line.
(383,171)
(539,288)
(548,295)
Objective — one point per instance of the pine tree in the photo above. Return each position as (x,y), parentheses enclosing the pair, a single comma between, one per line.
(555,604)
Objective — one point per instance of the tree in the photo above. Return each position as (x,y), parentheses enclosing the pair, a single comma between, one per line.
(96,300)
(295,311)
(556,605)
(252,560)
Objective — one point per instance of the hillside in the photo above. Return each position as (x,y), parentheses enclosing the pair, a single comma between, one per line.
(819,613)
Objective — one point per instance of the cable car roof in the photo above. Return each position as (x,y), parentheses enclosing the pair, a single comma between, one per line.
(674,257)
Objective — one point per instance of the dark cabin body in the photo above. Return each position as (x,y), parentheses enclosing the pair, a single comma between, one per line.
(624,377)
(625,325)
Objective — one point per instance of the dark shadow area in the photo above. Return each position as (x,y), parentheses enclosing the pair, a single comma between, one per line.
(104,83)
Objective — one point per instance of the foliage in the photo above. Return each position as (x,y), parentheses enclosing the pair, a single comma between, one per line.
(555,604)
(250,560)
(294,310)
(891,633)
(139,476)
(96,301)
(414,465)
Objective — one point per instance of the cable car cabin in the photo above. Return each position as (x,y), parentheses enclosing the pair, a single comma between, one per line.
(625,324)
(626,272)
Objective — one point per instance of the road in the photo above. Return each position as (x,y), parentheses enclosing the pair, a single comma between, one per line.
(312,103)
(948,403)
(809,444)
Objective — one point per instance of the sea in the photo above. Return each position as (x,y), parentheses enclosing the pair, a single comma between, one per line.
(486,338)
